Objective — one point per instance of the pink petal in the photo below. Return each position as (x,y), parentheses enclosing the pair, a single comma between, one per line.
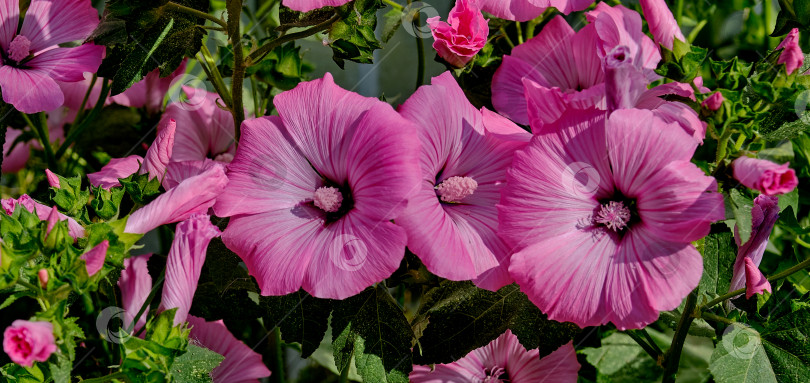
(194,195)
(507,88)
(765,176)
(18,157)
(241,364)
(159,153)
(684,116)
(184,264)
(49,23)
(203,129)
(53,179)
(662,24)
(640,145)
(53,219)
(561,366)
(177,172)
(502,128)
(308,5)
(68,64)
(75,230)
(713,102)
(135,284)
(619,26)
(518,10)
(29,90)
(94,258)
(764,214)
(9,19)
(150,91)
(792,55)
(755,281)
(117,168)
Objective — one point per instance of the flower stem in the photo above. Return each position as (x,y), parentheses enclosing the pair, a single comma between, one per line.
(172,6)
(716,318)
(506,36)
(672,357)
(77,130)
(108,378)
(80,113)
(519,32)
(237,81)
(42,135)
(784,274)
(393,4)
(256,56)
(649,347)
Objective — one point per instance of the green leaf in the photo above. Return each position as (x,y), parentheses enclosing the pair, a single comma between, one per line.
(685,68)
(69,196)
(141,188)
(195,365)
(18,374)
(371,327)
(741,358)
(144,35)
(393,20)
(620,359)
(719,253)
(458,317)
(789,200)
(106,202)
(301,318)
(741,206)
(352,37)
(60,371)
(787,130)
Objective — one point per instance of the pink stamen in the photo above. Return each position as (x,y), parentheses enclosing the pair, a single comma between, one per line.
(328,199)
(614,215)
(454,189)
(19,48)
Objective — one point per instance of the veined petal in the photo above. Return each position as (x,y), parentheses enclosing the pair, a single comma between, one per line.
(49,23)
(241,364)
(29,90)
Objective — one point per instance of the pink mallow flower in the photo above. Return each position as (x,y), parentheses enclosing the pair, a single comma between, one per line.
(33,62)
(764,214)
(308,5)
(792,55)
(313,190)
(600,212)
(525,10)
(464,34)
(241,364)
(184,263)
(763,175)
(662,24)
(504,360)
(452,220)
(26,342)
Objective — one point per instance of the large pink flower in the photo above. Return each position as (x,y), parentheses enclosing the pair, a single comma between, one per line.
(184,264)
(241,364)
(308,5)
(32,61)
(525,10)
(763,175)
(26,342)
(452,220)
(764,214)
(571,63)
(464,34)
(601,212)
(312,192)
(504,360)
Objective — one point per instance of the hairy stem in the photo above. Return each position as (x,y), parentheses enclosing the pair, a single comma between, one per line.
(673,356)
(237,81)
(172,6)
(648,347)
(256,56)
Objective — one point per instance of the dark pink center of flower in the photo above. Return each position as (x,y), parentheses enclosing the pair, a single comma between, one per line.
(20,342)
(614,215)
(496,375)
(456,188)
(328,199)
(19,48)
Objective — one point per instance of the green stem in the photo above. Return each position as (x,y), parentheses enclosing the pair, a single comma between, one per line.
(519,32)
(644,345)
(256,56)
(393,4)
(42,135)
(420,58)
(679,12)
(237,81)
(672,357)
(108,378)
(506,36)
(80,113)
(146,304)
(344,375)
(191,11)
(77,130)
(716,318)
(651,341)
(209,66)
(767,14)
(2,142)
(722,144)
(278,356)
(784,274)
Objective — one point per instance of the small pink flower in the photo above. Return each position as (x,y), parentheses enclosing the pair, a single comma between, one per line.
(464,34)
(662,24)
(94,259)
(34,63)
(755,281)
(504,357)
(42,275)
(764,214)
(763,175)
(698,81)
(26,342)
(308,5)
(713,102)
(53,180)
(792,55)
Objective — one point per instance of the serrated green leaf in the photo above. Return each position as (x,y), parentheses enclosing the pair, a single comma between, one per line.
(371,327)
(301,318)
(106,202)
(352,37)
(195,365)
(141,188)
(719,253)
(620,359)
(789,200)
(740,358)
(60,371)
(393,20)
